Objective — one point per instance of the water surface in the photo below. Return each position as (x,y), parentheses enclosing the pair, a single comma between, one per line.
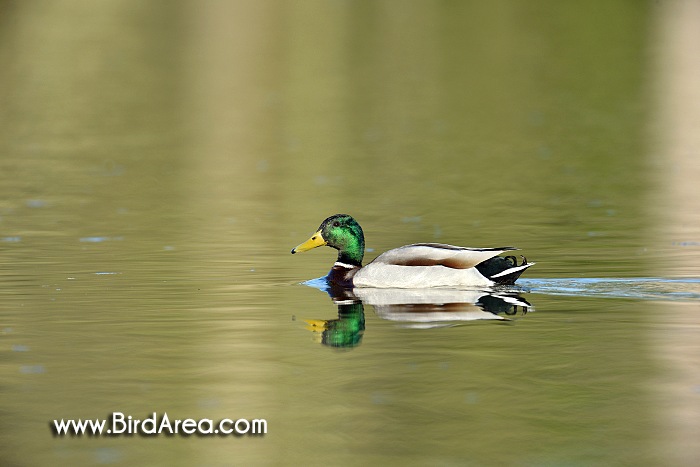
(159,160)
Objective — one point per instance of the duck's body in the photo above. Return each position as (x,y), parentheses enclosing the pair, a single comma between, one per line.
(419,265)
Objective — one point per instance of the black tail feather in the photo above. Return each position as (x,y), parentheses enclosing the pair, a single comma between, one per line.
(498,265)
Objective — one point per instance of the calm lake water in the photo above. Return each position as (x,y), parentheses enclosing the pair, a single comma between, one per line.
(158,161)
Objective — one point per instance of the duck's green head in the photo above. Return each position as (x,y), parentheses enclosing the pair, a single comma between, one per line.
(341,232)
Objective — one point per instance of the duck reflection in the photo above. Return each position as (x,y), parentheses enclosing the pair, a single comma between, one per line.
(346,331)
(415,308)
(442,307)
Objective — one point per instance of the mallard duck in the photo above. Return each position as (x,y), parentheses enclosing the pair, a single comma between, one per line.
(419,265)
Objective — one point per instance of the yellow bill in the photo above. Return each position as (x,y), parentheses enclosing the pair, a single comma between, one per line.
(317,325)
(316,240)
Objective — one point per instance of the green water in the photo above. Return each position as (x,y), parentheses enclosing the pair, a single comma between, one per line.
(158,161)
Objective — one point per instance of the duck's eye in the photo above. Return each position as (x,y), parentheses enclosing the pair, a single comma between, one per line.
(336,224)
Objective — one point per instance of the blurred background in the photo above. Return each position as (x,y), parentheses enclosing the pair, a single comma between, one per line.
(158,160)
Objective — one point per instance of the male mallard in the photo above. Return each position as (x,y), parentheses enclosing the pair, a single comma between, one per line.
(412,266)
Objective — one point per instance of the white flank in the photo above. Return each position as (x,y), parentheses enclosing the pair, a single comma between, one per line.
(417,277)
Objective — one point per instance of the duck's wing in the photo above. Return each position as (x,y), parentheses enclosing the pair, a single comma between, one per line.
(439,254)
